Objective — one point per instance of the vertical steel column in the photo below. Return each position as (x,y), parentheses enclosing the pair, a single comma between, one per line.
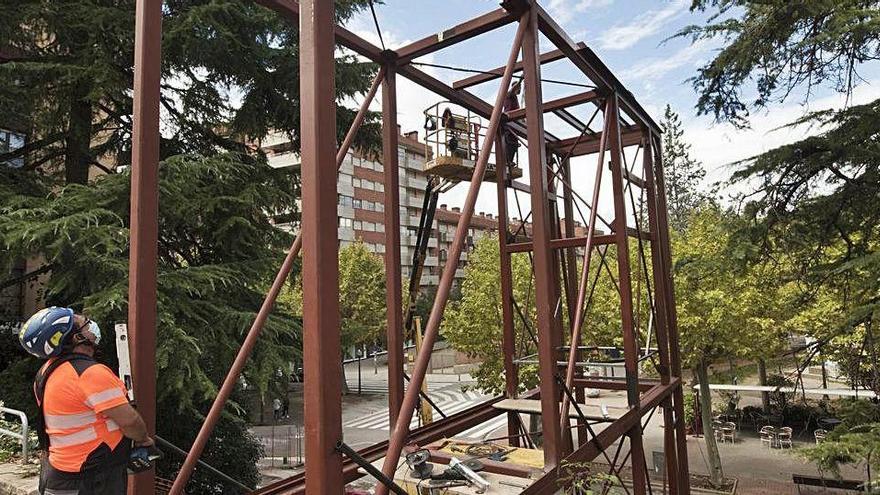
(630,339)
(256,329)
(401,428)
(543,254)
(321,347)
(661,317)
(143,256)
(508,334)
(570,287)
(393,289)
(672,323)
(588,253)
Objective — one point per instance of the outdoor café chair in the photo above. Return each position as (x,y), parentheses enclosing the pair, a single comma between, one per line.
(820,435)
(783,437)
(716,429)
(768,436)
(728,432)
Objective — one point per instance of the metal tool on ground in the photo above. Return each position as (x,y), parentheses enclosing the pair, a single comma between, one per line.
(352,454)
(418,463)
(480,482)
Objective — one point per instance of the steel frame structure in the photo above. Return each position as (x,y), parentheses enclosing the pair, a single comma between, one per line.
(553,249)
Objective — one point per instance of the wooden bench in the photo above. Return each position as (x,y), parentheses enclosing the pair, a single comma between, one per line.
(848,485)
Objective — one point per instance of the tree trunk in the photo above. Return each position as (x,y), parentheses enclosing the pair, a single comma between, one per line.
(345,389)
(762,380)
(535,426)
(77,158)
(716,475)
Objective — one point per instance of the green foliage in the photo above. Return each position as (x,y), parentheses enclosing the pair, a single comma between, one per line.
(683,173)
(217,249)
(724,309)
(474,324)
(780,46)
(816,202)
(856,441)
(582,478)
(361,295)
(230,71)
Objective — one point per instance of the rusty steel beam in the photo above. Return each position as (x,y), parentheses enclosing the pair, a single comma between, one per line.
(672,316)
(247,347)
(611,384)
(393,290)
(630,339)
(573,121)
(587,145)
(588,63)
(508,335)
(438,430)
(543,254)
(661,318)
(588,256)
(289,9)
(559,104)
(570,257)
(564,243)
(321,342)
(456,34)
(491,75)
(144,252)
(432,329)
(604,439)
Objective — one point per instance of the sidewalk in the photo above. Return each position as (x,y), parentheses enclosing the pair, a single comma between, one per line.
(16,480)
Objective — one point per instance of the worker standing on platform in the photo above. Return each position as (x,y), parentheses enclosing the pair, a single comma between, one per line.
(87,420)
(511,103)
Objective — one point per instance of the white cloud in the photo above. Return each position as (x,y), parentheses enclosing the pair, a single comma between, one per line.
(623,36)
(719,145)
(564,10)
(655,68)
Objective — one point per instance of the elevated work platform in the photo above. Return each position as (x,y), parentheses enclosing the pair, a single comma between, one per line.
(458,168)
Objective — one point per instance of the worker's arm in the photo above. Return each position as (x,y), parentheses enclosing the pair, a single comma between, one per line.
(131,424)
(104,392)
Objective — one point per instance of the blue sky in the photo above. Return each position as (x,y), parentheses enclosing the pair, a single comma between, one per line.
(629,36)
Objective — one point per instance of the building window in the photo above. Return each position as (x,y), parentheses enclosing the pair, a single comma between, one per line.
(345,222)
(11,141)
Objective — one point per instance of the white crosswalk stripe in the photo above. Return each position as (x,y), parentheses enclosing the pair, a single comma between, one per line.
(449,401)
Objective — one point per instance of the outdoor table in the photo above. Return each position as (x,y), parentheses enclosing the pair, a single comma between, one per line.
(829,423)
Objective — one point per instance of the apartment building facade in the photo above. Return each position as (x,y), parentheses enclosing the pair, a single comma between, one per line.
(361,205)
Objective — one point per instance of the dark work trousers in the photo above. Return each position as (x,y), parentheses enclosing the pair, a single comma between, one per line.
(112,480)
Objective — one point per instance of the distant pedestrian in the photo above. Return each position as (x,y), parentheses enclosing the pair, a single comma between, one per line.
(285,407)
(276,408)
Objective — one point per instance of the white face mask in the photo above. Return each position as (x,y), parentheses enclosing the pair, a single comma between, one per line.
(96,331)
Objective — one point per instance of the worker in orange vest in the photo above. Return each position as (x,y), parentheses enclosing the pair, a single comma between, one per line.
(88,424)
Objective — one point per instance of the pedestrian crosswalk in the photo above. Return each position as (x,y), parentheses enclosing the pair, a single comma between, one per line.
(450,402)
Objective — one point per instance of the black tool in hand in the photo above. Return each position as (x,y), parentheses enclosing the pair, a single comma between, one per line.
(142,458)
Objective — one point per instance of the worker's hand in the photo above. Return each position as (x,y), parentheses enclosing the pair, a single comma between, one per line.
(146,443)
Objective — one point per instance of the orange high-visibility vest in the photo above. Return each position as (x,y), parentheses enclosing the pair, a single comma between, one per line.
(75,395)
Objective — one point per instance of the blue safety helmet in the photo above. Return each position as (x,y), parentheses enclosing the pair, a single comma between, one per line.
(46,332)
